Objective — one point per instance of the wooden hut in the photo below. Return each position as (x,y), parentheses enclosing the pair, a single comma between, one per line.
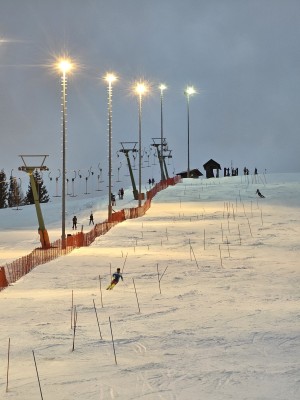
(194,173)
(209,167)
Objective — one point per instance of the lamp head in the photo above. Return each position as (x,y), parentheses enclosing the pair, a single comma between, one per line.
(190,90)
(162,87)
(110,77)
(141,88)
(64,65)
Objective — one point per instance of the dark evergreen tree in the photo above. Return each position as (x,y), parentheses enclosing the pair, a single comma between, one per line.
(3,189)
(41,189)
(15,195)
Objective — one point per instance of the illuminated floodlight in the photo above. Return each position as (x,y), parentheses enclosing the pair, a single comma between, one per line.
(190,90)
(141,88)
(64,65)
(162,87)
(110,77)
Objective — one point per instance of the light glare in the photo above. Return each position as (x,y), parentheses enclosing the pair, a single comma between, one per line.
(190,90)
(64,65)
(110,77)
(141,88)
(162,87)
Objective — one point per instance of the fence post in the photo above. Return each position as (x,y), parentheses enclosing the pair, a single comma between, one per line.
(3,280)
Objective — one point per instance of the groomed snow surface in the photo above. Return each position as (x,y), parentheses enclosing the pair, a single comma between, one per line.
(225,325)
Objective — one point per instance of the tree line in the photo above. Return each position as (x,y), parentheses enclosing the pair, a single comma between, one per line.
(11,194)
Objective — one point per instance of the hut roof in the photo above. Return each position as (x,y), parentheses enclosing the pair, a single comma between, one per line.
(194,173)
(211,164)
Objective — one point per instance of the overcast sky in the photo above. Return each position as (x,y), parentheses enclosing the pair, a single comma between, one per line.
(242,56)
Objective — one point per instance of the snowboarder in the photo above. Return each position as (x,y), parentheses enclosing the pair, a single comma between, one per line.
(91,219)
(260,195)
(115,279)
(74,222)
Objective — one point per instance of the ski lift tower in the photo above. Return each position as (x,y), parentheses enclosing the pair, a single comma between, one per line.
(169,155)
(44,238)
(126,148)
(157,143)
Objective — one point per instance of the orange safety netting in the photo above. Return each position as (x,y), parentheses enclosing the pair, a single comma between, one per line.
(12,272)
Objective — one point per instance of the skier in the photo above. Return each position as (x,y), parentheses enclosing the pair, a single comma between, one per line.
(115,279)
(74,222)
(260,195)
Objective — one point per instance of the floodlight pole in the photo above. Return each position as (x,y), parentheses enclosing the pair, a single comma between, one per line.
(109,95)
(63,194)
(188,133)
(188,92)
(140,149)
(160,156)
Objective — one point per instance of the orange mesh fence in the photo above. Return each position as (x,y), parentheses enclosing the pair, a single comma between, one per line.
(17,269)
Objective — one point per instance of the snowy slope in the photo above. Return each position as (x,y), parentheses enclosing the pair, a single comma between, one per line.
(222,324)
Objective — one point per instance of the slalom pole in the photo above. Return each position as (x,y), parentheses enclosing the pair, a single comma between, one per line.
(158,278)
(137,300)
(163,273)
(74,328)
(37,374)
(261,217)
(100,287)
(194,257)
(97,319)
(228,247)
(220,256)
(72,306)
(240,235)
(112,339)
(249,227)
(8,355)
(124,262)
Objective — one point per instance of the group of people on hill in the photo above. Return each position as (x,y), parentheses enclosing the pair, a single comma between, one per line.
(235,171)
(91,218)
(121,194)
(74,221)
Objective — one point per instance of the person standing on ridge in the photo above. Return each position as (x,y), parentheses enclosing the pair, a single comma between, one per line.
(74,220)
(91,219)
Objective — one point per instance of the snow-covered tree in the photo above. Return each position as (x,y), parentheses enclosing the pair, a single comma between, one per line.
(15,195)
(3,189)
(41,189)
